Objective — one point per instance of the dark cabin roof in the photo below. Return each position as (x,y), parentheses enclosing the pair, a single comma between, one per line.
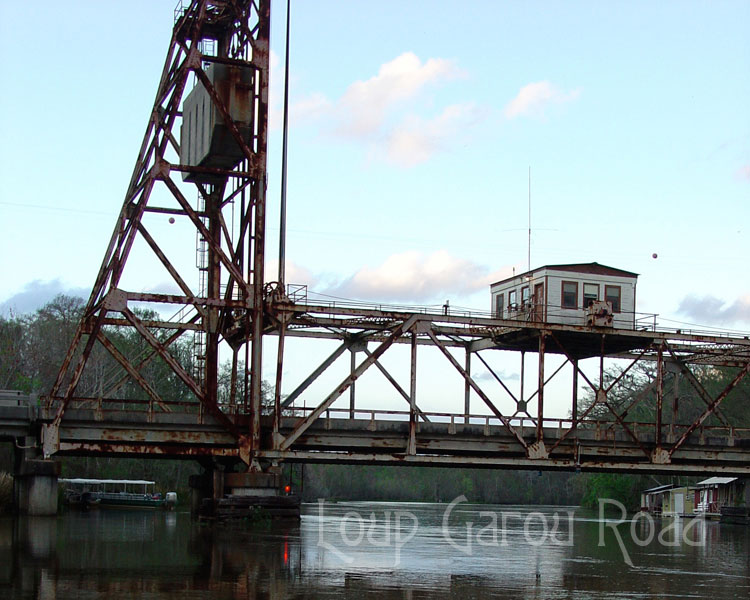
(593,268)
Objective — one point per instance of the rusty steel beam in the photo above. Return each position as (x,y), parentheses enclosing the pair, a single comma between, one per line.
(315,374)
(132,371)
(180,327)
(161,450)
(161,350)
(303,424)
(238,45)
(169,267)
(467,387)
(395,384)
(477,389)
(500,381)
(78,371)
(711,408)
(508,462)
(203,230)
(659,394)
(411,446)
(110,391)
(540,391)
(696,385)
(277,388)
(475,324)
(352,389)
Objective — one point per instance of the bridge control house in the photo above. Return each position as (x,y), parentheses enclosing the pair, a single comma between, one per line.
(574,294)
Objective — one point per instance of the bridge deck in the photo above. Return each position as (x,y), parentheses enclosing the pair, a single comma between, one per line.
(380,437)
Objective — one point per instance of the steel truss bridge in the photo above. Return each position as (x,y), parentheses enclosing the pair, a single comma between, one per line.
(234,307)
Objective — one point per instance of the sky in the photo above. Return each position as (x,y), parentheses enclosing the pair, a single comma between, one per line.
(413,127)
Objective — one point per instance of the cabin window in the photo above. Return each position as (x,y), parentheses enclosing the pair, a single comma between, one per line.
(590,293)
(525,296)
(570,294)
(613,293)
(499,300)
(512,300)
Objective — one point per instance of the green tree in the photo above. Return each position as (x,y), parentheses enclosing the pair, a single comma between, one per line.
(614,486)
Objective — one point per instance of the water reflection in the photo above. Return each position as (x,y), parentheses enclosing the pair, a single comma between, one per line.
(374,550)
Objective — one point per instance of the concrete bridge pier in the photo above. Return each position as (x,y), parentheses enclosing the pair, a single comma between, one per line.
(35,480)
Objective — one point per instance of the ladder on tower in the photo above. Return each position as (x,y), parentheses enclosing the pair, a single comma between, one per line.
(201,262)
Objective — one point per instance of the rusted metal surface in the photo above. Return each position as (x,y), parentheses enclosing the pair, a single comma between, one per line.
(411,446)
(659,394)
(605,464)
(205,32)
(344,385)
(132,371)
(395,384)
(540,392)
(711,408)
(477,389)
(237,307)
(485,441)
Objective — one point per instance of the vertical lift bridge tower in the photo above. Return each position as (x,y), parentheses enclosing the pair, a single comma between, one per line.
(202,161)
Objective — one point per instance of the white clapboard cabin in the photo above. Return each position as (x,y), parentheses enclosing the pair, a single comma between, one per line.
(587,294)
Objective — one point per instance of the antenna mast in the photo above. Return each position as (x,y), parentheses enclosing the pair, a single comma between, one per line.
(529,254)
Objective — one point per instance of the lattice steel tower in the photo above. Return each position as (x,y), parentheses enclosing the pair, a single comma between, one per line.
(202,162)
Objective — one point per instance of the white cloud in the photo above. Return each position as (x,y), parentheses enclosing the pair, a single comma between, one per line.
(363,106)
(36,294)
(293,273)
(309,107)
(379,112)
(416,277)
(415,140)
(533,99)
(712,310)
(484,375)
(744,172)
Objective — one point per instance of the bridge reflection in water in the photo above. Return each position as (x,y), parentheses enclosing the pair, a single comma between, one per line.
(166,555)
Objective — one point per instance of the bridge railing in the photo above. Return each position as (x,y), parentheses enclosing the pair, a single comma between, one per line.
(605,429)
(641,321)
(16,398)
(554,427)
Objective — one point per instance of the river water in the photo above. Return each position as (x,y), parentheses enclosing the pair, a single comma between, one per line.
(374,550)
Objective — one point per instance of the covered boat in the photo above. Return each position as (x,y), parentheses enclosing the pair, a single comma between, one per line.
(116,493)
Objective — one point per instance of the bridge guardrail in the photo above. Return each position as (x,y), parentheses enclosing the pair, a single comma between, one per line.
(16,398)
(606,427)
